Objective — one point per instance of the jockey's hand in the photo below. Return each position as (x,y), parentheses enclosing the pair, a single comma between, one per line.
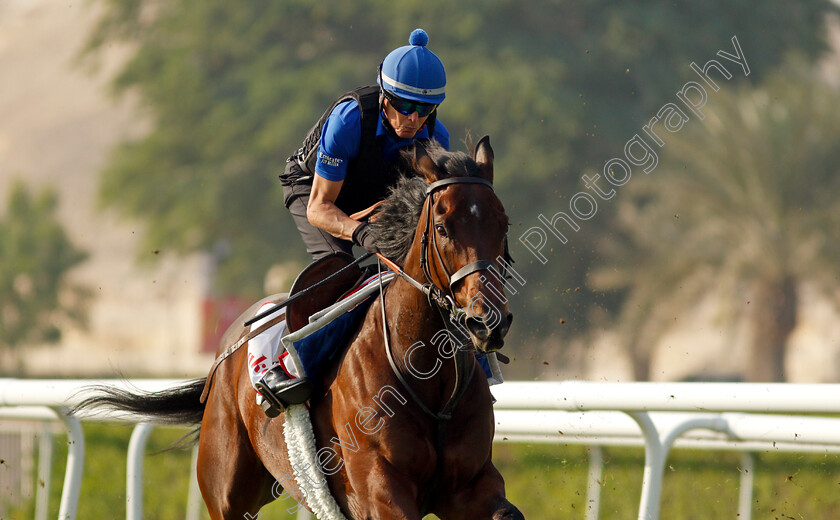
(363,237)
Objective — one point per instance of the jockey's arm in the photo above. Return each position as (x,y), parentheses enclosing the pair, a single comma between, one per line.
(324,214)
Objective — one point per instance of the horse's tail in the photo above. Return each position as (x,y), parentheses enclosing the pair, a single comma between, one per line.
(179,405)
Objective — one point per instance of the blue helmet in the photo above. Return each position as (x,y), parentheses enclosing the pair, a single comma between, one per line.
(414,72)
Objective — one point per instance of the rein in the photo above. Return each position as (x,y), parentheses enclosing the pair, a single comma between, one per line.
(285,303)
(450,312)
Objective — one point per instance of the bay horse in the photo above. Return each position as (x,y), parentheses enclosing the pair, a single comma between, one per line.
(384,450)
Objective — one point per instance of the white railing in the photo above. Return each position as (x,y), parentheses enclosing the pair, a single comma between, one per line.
(44,399)
(38,424)
(656,407)
(657,416)
(728,431)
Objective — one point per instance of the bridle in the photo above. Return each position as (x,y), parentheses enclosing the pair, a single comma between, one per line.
(444,300)
(442,297)
(463,272)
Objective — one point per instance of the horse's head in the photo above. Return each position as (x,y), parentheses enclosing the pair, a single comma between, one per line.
(461,237)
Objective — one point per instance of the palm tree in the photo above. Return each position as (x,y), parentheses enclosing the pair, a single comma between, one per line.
(746,205)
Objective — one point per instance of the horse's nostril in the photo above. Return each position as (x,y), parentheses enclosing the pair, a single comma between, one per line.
(504,327)
(478,328)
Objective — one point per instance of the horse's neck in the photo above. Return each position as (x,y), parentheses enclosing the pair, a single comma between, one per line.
(410,317)
(415,335)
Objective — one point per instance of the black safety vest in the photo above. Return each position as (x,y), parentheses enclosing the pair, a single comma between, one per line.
(368,175)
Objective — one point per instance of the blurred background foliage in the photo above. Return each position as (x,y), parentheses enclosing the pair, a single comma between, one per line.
(35,256)
(744,207)
(232,87)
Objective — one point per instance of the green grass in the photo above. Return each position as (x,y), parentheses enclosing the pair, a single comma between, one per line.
(544,481)
(103,484)
(549,481)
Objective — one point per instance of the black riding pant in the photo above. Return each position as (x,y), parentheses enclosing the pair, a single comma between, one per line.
(318,242)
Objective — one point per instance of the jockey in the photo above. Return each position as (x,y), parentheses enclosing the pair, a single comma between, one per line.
(350,159)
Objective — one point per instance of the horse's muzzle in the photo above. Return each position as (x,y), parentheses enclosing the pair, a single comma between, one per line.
(486,339)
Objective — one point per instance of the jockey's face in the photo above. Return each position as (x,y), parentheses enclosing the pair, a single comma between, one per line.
(404,126)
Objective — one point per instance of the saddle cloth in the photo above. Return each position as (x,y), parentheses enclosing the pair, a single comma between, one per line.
(308,350)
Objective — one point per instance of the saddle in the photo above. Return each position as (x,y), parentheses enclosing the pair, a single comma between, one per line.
(299,311)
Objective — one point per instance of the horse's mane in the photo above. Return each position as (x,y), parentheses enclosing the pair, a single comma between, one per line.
(396,219)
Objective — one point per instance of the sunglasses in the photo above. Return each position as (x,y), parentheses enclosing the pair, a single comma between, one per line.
(407,107)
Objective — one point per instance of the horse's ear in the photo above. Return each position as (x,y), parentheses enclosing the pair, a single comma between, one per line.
(424,164)
(484,158)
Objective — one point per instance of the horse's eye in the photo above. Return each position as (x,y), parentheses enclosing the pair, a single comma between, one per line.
(440,229)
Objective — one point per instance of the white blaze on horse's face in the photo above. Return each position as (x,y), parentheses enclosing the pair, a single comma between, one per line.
(468,224)
(478,226)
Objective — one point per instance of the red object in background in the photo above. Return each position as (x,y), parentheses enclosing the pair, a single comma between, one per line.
(217,314)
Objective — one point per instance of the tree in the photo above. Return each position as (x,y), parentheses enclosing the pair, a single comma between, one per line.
(746,205)
(35,256)
(231,88)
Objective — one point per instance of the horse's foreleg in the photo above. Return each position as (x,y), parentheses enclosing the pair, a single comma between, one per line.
(483,499)
(391,501)
(379,492)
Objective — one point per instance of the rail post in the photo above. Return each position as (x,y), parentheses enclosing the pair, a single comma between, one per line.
(134,471)
(75,465)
